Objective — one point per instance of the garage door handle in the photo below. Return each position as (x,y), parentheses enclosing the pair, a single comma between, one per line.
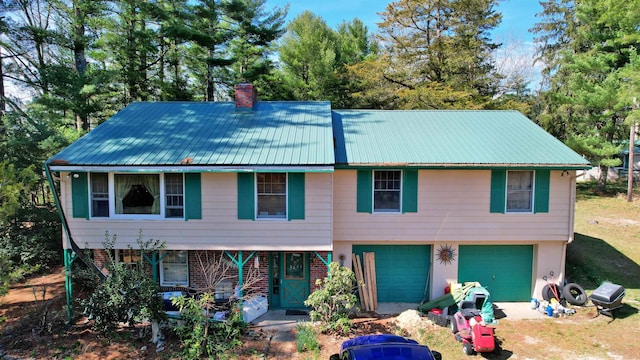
(493,277)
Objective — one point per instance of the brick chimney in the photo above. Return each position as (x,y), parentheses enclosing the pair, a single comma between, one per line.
(246,96)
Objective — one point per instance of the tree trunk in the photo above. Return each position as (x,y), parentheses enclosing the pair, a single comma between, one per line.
(80,60)
(211,86)
(2,101)
(602,178)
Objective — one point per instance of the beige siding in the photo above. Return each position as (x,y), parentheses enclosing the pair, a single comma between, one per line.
(220,227)
(453,205)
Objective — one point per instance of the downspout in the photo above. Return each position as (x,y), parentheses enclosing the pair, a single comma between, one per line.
(69,256)
(572,207)
(572,215)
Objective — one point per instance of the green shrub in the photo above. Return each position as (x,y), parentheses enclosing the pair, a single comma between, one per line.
(331,302)
(128,295)
(306,338)
(200,335)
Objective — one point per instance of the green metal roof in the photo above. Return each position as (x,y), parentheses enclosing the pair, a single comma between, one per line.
(208,134)
(447,138)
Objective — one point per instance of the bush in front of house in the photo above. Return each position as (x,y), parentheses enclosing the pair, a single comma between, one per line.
(128,294)
(331,303)
(200,334)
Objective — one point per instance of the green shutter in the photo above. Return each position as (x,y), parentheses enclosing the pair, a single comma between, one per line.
(192,196)
(410,191)
(498,190)
(541,194)
(364,193)
(246,198)
(296,196)
(80,195)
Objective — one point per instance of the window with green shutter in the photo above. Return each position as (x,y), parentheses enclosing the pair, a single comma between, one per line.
(385,191)
(136,196)
(520,191)
(271,196)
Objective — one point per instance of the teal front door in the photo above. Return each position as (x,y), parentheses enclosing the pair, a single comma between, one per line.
(294,275)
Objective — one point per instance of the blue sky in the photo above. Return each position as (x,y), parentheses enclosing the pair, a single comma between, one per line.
(517,15)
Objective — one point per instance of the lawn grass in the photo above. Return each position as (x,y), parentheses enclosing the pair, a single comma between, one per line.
(607,239)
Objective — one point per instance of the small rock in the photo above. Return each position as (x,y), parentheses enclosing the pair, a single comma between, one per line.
(144,348)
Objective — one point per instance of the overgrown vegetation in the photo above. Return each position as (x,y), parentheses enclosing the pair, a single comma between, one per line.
(200,332)
(128,294)
(331,303)
(306,338)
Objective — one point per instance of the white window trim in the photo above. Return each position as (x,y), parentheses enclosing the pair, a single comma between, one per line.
(373,193)
(533,194)
(112,201)
(286,200)
(161,271)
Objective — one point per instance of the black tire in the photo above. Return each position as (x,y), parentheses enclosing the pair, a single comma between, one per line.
(454,326)
(574,294)
(547,292)
(497,350)
(467,348)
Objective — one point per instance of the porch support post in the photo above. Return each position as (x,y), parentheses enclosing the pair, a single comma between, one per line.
(240,264)
(154,261)
(325,262)
(69,257)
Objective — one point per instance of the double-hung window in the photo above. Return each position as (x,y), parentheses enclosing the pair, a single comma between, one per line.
(520,191)
(174,268)
(269,196)
(272,195)
(174,193)
(99,195)
(386,190)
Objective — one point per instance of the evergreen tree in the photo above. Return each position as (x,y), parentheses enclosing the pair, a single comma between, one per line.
(255,31)
(586,76)
(308,55)
(435,54)
(174,22)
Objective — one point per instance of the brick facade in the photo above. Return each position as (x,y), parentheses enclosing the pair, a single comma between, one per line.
(318,269)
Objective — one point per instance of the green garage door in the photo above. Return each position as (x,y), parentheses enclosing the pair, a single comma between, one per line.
(401,270)
(505,270)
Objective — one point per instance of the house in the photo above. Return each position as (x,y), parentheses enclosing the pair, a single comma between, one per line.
(617,173)
(286,188)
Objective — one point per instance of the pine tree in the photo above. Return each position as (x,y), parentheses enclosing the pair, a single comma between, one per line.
(435,54)
(594,43)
